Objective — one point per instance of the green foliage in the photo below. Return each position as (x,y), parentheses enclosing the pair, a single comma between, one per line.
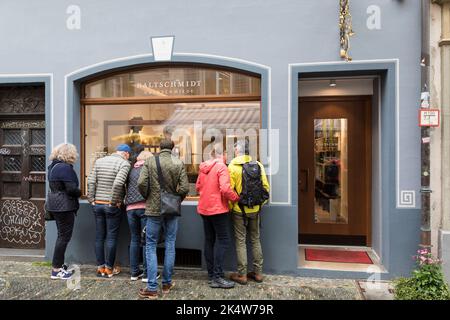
(426,283)
(41,264)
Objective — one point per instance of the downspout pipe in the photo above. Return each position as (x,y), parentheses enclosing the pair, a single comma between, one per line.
(425,228)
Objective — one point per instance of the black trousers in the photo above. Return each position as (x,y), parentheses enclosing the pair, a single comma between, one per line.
(64,224)
(217,241)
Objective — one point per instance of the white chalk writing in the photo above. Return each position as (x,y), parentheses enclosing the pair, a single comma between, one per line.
(4,151)
(23,125)
(34,178)
(39,150)
(21,222)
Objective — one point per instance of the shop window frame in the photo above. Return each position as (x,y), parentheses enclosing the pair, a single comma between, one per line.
(158,100)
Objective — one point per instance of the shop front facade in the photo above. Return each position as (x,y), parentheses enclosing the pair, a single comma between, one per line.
(339,139)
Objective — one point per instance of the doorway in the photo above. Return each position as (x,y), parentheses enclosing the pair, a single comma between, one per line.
(334,152)
(22,165)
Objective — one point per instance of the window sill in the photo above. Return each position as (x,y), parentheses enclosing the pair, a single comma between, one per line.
(192,201)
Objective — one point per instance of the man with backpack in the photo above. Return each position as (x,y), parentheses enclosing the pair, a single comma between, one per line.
(249,180)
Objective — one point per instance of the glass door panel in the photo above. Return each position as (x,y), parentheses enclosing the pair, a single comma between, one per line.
(331,171)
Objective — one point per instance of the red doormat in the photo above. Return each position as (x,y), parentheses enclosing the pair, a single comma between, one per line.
(342,256)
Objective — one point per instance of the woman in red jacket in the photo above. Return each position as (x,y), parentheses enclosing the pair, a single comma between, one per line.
(213,185)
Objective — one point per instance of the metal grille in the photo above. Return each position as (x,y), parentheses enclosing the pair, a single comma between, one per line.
(38,163)
(12,163)
(12,137)
(183,257)
(38,137)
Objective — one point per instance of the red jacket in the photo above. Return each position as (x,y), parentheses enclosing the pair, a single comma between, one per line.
(213,185)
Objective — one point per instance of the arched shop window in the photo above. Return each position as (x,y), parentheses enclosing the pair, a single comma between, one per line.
(192,105)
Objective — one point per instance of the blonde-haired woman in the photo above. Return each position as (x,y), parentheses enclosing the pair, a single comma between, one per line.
(62,202)
(135,203)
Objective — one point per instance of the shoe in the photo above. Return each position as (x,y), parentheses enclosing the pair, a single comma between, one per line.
(108,273)
(100,271)
(147,294)
(116,270)
(211,278)
(137,276)
(145,277)
(258,277)
(66,267)
(241,279)
(167,287)
(61,274)
(221,283)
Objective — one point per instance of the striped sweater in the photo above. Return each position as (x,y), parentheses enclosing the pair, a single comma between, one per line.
(107,179)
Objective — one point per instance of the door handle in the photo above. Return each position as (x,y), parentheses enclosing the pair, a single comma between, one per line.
(306,184)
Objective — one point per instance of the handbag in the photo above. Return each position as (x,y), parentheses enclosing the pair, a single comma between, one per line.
(170,203)
(48,215)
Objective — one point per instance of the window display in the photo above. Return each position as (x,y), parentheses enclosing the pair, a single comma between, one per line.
(193,123)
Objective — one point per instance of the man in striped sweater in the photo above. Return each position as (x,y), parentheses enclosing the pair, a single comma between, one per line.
(106,192)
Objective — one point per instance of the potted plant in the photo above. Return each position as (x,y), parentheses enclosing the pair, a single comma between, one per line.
(426,282)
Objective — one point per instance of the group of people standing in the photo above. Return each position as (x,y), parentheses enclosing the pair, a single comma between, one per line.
(233,194)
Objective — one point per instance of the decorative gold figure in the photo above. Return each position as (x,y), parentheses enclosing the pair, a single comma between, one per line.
(346,29)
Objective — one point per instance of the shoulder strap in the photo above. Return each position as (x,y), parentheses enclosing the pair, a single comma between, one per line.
(160,176)
(240,205)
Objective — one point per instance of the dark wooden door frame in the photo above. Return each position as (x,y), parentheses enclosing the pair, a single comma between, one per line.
(367,100)
(22,190)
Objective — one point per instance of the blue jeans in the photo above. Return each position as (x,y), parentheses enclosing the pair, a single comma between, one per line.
(107,224)
(136,221)
(154,225)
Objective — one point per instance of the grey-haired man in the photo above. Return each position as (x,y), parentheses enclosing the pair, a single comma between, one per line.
(106,191)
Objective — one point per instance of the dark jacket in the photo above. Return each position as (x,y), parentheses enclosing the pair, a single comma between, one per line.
(133,194)
(176,180)
(64,188)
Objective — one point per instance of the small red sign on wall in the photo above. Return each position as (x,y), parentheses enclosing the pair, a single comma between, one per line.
(429,118)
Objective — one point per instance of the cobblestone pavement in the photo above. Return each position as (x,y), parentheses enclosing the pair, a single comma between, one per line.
(27,280)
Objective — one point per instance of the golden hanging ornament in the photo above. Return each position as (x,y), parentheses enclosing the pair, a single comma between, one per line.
(346,29)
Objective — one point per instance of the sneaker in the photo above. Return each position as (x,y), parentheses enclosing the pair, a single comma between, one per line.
(66,267)
(241,279)
(211,278)
(137,276)
(61,274)
(147,294)
(116,270)
(108,273)
(258,277)
(145,277)
(100,271)
(221,283)
(167,287)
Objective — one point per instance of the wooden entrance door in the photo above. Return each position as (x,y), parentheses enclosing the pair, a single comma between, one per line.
(334,152)
(22,166)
